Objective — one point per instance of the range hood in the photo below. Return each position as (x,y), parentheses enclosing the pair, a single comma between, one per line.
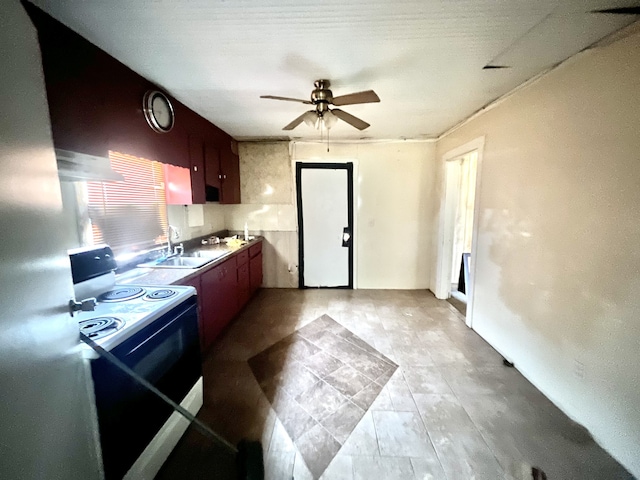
(79,167)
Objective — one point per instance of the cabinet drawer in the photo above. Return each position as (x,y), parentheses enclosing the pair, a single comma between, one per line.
(255,249)
(242,257)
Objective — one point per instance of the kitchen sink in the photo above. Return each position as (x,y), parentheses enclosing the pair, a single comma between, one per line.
(178,262)
(209,254)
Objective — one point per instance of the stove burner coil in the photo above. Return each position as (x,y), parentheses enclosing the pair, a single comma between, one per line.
(99,327)
(160,294)
(121,294)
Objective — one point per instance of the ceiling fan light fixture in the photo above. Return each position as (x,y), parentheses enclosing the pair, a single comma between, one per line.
(322,117)
(329,119)
(311,118)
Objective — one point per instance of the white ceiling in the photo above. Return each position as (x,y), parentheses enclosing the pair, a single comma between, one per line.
(424,58)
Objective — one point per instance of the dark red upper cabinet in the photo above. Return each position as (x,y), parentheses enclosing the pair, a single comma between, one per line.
(196,157)
(213,176)
(222,174)
(96,105)
(230,168)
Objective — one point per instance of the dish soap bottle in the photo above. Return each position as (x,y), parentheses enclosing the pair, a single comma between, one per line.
(246,232)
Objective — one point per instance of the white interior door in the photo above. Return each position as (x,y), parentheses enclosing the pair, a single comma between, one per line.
(49,426)
(324,203)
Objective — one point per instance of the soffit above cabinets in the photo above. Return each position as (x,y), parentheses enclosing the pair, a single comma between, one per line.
(424,58)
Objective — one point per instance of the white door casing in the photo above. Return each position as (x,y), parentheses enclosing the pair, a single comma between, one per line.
(448,204)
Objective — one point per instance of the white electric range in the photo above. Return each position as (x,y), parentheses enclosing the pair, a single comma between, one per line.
(154,331)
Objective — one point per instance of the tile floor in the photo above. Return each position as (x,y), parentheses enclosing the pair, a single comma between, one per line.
(448,410)
(320,381)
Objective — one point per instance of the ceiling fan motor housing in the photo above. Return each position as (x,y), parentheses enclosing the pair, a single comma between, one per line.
(322,96)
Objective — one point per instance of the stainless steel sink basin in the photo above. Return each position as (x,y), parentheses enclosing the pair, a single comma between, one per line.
(178,262)
(209,254)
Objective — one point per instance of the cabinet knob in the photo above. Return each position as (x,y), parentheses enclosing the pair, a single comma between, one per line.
(195,168)
(224,176)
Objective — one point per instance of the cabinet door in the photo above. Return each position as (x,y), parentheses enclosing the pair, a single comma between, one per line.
(229,290)
(230,169)
(196,159)
(195,282)
(244,285)
(212,299)
(255,273)
(212,165)
(177,185)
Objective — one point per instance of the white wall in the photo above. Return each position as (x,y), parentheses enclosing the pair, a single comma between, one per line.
(394,209)
(558,266)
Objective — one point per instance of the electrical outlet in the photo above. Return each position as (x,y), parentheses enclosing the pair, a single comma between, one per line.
(578,369)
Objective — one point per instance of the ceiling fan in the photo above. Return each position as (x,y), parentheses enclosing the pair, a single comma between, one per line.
(322,97)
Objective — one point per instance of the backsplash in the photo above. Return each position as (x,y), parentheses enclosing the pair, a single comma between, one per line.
(268,208)
(265,173)
(278,218)
(214,219)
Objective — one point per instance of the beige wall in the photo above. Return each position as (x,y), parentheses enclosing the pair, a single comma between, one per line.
(394,211)
(558,265)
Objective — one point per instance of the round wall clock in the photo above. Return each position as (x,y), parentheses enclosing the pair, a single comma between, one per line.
(158,111)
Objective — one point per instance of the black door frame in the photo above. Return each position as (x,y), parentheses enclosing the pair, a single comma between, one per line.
(348,166)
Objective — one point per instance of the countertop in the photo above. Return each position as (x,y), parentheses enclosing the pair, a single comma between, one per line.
(169,276)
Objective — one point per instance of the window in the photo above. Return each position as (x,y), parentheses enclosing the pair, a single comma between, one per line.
(130,216)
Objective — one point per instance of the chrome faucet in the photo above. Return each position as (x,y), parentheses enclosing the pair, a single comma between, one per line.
(171,230)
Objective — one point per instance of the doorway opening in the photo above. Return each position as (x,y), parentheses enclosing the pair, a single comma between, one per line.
(462,172)
(325,224)
(458,228)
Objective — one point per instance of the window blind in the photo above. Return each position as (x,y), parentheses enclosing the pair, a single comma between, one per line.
(132,215)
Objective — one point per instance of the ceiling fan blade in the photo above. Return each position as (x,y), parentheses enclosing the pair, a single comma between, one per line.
(368,96)
(350,119)
(288,99)
(296,122)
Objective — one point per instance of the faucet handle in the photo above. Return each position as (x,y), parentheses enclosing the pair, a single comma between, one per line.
(178,249)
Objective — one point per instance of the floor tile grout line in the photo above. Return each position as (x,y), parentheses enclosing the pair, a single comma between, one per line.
(429,435)
(375,429)
(484,439)
(455,394)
